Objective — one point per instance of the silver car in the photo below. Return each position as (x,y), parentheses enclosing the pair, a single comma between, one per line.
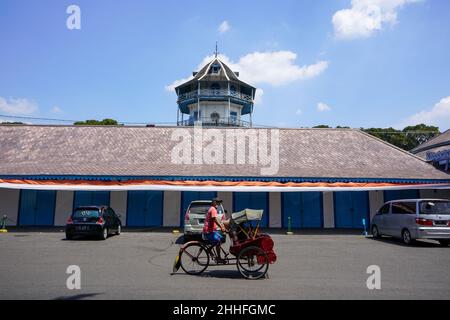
(194,217)
(414,219)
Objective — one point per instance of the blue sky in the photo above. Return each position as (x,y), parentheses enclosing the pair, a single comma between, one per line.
(361,64)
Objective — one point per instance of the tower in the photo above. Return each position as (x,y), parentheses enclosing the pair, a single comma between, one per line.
(215,96)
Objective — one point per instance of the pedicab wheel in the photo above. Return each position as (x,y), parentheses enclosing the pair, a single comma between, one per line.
(194,259)
(253,263)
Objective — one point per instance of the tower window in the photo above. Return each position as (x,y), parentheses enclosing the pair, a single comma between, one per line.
(215,88)
(215,117)
(215,68)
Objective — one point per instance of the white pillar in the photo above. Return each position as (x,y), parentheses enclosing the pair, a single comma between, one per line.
(171,209)
(376,200)
(63,207)
(9,205)
(275,210)
(227,198)
(328,210)
(118,201)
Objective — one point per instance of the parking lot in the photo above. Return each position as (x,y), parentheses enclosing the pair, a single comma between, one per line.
(138,265)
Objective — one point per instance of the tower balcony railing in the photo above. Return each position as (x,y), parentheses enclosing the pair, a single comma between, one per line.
(205,93)
(221,122)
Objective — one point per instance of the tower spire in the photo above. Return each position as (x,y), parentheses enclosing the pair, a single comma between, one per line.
(216,53)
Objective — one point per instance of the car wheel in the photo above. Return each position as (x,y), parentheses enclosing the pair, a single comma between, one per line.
(375,233)
(406,237)
(104,234)
(444,243)
(69,236)
(119,230)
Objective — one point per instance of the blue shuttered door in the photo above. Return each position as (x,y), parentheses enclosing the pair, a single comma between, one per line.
(252,200)
(37,207)
(350,207)
(304,208)
(188,196)
(400,194)
(91,198)
(145,208)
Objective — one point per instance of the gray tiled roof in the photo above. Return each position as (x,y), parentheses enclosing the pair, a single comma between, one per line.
(140,151)
(433,144)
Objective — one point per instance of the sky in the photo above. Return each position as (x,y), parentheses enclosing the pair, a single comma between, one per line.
(357,63)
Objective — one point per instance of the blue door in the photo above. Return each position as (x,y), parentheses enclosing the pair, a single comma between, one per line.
(37,207)
(252,200)
(350,207)
(145,208)
(400,194)
(91,198)
(304,208)
(188,196)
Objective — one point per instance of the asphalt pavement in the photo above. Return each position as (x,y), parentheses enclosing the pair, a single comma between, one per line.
(138,265)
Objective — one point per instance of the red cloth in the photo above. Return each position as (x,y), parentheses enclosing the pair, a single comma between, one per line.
(210,220)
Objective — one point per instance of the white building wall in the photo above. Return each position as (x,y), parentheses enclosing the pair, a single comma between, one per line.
(275,217)
(328,210)
(376,200)
(63,207)
(171,209)
(118,201)
(9,205)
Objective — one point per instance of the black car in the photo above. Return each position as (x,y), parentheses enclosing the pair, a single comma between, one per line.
(100,221)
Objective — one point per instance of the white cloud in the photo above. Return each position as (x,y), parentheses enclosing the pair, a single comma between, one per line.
(299,112)
(275,68)
(224,27)
(258,96)
(17,106)
(56,109)
(438,115)
(321,107)
(365,17)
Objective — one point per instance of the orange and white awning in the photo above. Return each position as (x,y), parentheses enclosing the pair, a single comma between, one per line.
(225,186)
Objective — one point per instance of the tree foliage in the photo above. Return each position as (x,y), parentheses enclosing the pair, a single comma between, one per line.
(104,122)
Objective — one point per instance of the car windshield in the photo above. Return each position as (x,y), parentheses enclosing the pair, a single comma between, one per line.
(199,208)
(202,208)
(435,207)
(86,213)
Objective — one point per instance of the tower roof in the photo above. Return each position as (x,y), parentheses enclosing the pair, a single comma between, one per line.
(215,70)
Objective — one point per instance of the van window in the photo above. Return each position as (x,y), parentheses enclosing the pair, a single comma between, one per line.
(403,207)
(434,207)
(385,209)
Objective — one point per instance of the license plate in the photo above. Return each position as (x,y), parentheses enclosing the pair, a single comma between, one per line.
(201,220)
(82,228)
(440,223)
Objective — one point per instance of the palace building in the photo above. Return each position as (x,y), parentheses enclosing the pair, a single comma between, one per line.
(319,178)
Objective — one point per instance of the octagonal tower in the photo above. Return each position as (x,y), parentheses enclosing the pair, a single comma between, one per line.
(215,96)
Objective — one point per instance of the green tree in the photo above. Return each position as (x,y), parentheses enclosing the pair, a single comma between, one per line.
(104,122)
(322,126)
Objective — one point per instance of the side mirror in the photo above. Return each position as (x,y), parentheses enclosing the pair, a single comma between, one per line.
(226,211)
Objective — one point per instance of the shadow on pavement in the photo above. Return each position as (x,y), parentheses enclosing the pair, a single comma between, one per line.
(219,274)
(415,244)
(78,296)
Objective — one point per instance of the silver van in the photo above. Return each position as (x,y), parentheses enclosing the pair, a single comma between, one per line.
(194,217)
(414,219)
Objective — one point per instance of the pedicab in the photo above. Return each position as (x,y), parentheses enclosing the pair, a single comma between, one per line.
(251,250)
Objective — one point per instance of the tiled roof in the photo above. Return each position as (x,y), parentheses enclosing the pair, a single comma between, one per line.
(140,151)
(443,138)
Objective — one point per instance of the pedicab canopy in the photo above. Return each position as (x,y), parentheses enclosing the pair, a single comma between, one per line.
(247,215)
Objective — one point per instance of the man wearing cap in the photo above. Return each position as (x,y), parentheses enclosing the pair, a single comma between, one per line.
(212,222)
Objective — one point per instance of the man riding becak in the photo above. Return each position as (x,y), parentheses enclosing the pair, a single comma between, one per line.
(212,221)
